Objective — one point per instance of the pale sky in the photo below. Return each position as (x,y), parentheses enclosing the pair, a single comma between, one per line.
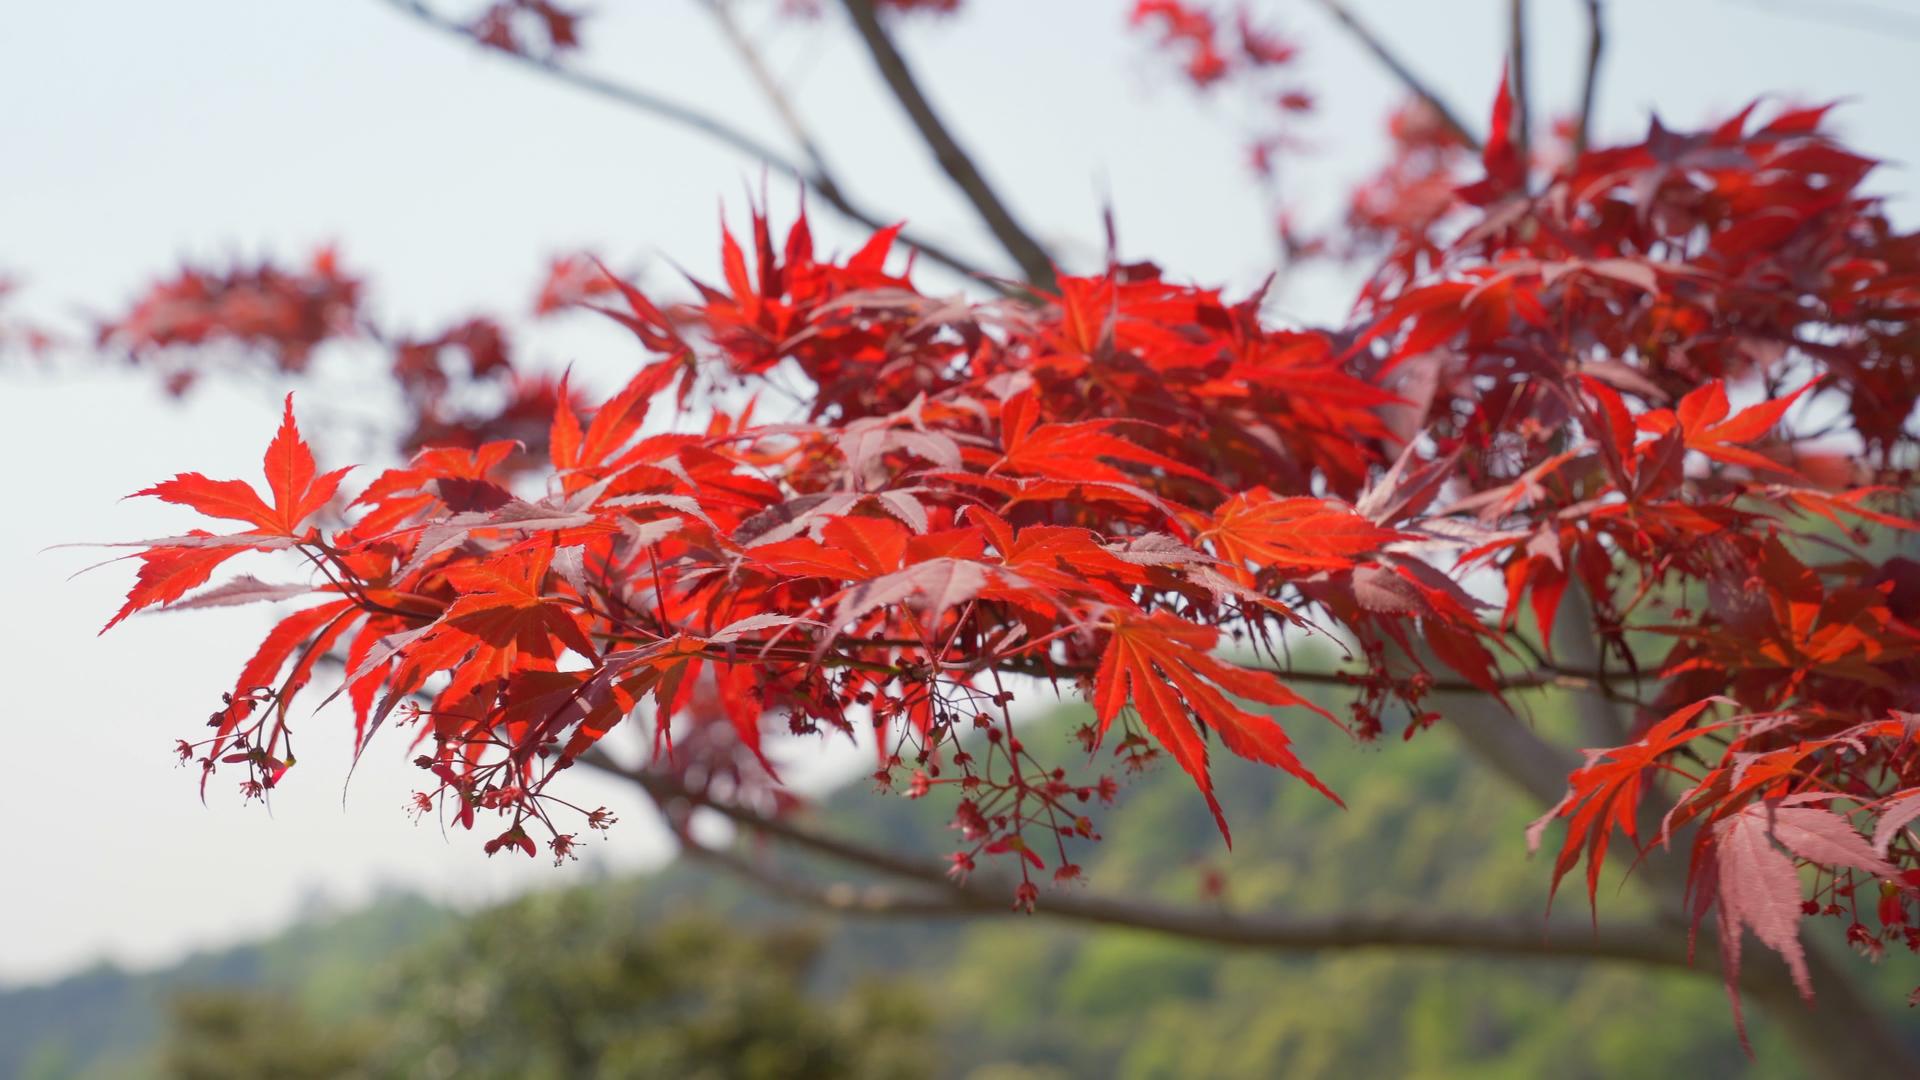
(133,134)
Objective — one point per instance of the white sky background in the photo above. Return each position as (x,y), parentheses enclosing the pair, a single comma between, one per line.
(136,133)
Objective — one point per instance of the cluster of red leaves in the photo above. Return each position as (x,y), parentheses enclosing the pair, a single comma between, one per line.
(1569,350)
(1256,63)
(438,377)
(1099,485)
(1401,207)
(459,386)
(980,491)
(572,280)
(1210,52)
(529,27)
(283,314)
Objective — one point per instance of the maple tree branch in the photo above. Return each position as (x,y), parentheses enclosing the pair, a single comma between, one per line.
(840,897)
(1547,676)
(1517,935)
(1517,68)
(1600,721)
(1400,70)
(1507,745)
(713,127)
(1590,81)
(1661,944)
(1032,258)
(1594,682)
(1653,944)
(1845,1038)
(1850,1045)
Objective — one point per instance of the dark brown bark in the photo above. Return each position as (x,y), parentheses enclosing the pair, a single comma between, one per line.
(726,134)
(1026,252)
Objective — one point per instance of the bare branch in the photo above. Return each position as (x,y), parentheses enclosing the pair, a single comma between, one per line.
(713,127)
(1515,935)
(1845,1035)
(1033,260)
(1589,83)
(1868,1049)
(1601,722)
(669,792)
(1401,71)
(1545,677)
(939,896)
(1506,744)
(1517,73)
(844,898)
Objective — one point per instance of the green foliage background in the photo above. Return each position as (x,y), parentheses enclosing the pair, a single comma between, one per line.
(685,974)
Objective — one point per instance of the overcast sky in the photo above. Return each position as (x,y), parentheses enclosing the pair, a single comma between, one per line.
(134,134)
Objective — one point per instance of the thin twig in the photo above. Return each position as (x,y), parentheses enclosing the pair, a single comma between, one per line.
(1546,677)
(1517,72)
(770,88)
(1033,260)
(840,897)
(712,127)
(1590,82)
(1401,71)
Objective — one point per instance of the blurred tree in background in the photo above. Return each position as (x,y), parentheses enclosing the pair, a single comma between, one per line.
(244,1034)
(1016,999)
(557,987)
(552,987)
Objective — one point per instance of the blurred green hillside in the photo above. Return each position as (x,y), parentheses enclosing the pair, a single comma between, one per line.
(683,973)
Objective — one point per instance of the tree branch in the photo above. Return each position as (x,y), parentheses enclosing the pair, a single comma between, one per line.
(1033,260)
(1589,83)
(1845,1039)
(667,791)
(1546,674)
(1516,935)
(1600,721)
(841,898)
(713,127)
(1862,1048)
(1517,68)
(1507,745)
(1545,677)
(1401,71)
(940,896)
